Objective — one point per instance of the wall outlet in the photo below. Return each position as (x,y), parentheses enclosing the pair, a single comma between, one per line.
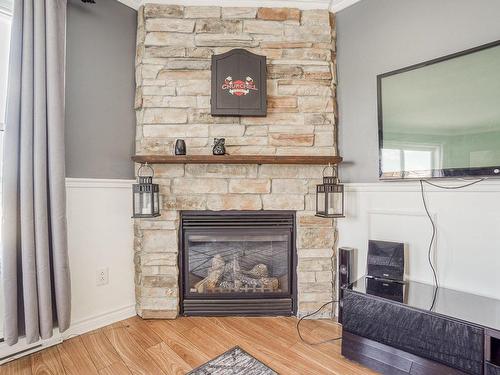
(102,276)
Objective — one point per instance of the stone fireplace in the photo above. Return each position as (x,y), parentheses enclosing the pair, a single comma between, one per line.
(174,48)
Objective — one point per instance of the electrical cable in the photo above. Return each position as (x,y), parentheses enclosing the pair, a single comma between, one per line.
(434,228)
(311,314)
(431,243)
(429,257)
(332,302)
(454,187)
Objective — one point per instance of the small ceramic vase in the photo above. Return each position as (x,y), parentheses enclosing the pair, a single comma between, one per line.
(180,147)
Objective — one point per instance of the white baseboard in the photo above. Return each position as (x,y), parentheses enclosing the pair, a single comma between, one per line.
(21,349)
(99,321)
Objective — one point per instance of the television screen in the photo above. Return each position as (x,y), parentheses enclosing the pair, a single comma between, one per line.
(442,118)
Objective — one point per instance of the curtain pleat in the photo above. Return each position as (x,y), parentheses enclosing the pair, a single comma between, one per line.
(43,274)
(56,45)
(11,252)
(35,271)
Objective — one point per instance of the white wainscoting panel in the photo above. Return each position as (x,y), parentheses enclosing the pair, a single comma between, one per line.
(467,247)
(411,225)
(100,235)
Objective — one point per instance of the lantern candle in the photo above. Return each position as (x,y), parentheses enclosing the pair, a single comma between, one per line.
(146,195)
(330,196)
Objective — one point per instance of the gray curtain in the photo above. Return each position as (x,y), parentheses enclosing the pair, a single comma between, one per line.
(35,272)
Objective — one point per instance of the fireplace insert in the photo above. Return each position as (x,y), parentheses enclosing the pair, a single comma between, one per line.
(237,263)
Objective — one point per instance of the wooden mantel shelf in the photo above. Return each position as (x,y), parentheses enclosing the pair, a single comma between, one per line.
(236,159)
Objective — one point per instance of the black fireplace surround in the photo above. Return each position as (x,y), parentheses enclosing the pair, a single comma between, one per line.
(237,263)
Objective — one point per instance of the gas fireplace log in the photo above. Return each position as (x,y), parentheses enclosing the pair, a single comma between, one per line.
(230,277)
(214,275)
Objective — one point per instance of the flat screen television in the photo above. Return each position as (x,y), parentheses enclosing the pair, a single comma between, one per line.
(441,118)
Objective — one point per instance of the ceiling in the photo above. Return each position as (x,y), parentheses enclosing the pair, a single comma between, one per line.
(333,5)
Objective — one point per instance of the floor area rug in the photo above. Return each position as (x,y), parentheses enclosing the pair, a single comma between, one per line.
(233,362)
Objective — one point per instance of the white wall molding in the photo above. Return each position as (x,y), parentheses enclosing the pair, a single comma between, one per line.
(333,5)
(414,186)
(6,7)
(98,183)
(338,5)
(134,4)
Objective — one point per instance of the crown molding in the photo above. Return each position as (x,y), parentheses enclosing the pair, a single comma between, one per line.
(6,7)
(134,4)
(333,5)
(338,5)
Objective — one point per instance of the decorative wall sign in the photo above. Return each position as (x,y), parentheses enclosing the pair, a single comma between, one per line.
(239,84)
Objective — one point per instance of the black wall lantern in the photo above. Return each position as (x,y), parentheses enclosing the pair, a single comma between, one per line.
(330,196)
(146,195)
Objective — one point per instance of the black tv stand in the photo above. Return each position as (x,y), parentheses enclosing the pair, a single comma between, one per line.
(392,329)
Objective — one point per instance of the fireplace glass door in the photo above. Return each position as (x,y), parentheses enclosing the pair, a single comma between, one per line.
(229,262)
(237,263)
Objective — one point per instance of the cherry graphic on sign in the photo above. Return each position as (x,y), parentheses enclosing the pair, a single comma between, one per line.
(239,87)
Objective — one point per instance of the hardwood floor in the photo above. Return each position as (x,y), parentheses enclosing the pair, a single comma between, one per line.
(165,347)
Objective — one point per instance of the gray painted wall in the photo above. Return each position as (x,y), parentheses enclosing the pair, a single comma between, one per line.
(377,36)
(100,87)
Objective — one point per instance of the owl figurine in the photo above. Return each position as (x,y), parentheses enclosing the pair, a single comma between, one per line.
(219,146)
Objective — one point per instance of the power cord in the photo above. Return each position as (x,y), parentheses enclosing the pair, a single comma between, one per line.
(429,257)
(434,228)
(311,314)
(332,302)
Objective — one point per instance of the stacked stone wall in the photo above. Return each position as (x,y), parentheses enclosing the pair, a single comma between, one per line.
(174,49)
